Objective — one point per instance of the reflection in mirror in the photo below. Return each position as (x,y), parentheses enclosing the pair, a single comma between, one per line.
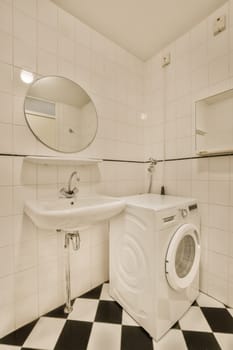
(60,114)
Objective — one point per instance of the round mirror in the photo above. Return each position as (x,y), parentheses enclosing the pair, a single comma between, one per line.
(60,114)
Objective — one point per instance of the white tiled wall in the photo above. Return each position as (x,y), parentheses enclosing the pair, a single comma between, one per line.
(201,65)
(40,37)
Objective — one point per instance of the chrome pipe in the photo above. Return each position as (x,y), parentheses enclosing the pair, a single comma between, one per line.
(74,236)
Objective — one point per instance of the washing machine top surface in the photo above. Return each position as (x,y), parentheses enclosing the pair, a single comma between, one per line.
(158,202)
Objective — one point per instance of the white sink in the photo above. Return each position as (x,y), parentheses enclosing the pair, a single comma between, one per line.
(71,213)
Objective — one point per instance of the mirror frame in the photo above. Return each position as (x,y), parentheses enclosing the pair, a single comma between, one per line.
(37,137)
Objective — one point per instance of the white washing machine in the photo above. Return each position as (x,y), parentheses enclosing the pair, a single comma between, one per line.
(154,259)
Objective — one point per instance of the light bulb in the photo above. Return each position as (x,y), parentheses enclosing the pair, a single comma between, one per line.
(26,77)
(143,116)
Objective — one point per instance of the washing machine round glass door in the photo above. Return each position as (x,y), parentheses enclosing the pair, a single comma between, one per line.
(183,257)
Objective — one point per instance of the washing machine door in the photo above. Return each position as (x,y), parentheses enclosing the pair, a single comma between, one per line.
(183,257)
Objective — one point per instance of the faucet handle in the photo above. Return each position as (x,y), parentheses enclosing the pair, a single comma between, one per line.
(75,190)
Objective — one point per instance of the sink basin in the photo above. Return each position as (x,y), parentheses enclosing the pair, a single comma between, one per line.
(71,213)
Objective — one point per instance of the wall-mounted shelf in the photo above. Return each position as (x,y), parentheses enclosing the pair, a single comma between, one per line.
(214,124)
(61,160)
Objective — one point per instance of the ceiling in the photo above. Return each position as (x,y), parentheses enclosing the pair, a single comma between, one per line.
(142,27)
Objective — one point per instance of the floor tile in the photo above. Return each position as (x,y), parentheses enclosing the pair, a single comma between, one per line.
(108,311)
(9,347)
(45,334)
(84,310)
(19,336)
(219,320)
(176,326)
(225,340)
(207,301)
(74,336)
(98,323)
(105,292)
(105,336)
(127,320)
(230,311)
(58,312)
(201,341)
(135,338)
(172,340)
(194,320)
(93,294)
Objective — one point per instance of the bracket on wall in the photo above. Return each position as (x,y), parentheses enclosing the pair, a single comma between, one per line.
(219,25)
(166,60)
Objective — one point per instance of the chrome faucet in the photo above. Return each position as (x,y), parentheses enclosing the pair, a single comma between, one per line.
(70,192)
(150,169)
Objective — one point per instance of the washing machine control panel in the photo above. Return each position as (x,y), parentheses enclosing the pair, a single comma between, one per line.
(173,216)
(184,212)
(192,206)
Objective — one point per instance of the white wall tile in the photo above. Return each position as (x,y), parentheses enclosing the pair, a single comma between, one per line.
(6,138)
(26,6)
(218,241)
(26,282)
(47,38)
(219,168)
(7,320)
(66,48)
(219,217)
(82,33)
(198,35)
(47,246)
(25,54)
(200,78)
(25,255)
(6,234)
(219,192)
(26,311)
(48,13)
(6,165)
(6,74)
(47,63)
(218,46)
(18,111)
(7,290)
(6,108)
(200,191)
(6,54)
(22,138)
(5,201)
(218,288)
(5,17)
(6,255)
(24,26)
(218,70)
(66,24)
(66,68)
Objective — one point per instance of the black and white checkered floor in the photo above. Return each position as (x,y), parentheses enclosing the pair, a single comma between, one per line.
(98,323)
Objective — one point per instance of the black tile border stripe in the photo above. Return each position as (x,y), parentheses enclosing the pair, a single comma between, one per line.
(130,161)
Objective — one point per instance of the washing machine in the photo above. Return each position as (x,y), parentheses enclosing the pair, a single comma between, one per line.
(154,259)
